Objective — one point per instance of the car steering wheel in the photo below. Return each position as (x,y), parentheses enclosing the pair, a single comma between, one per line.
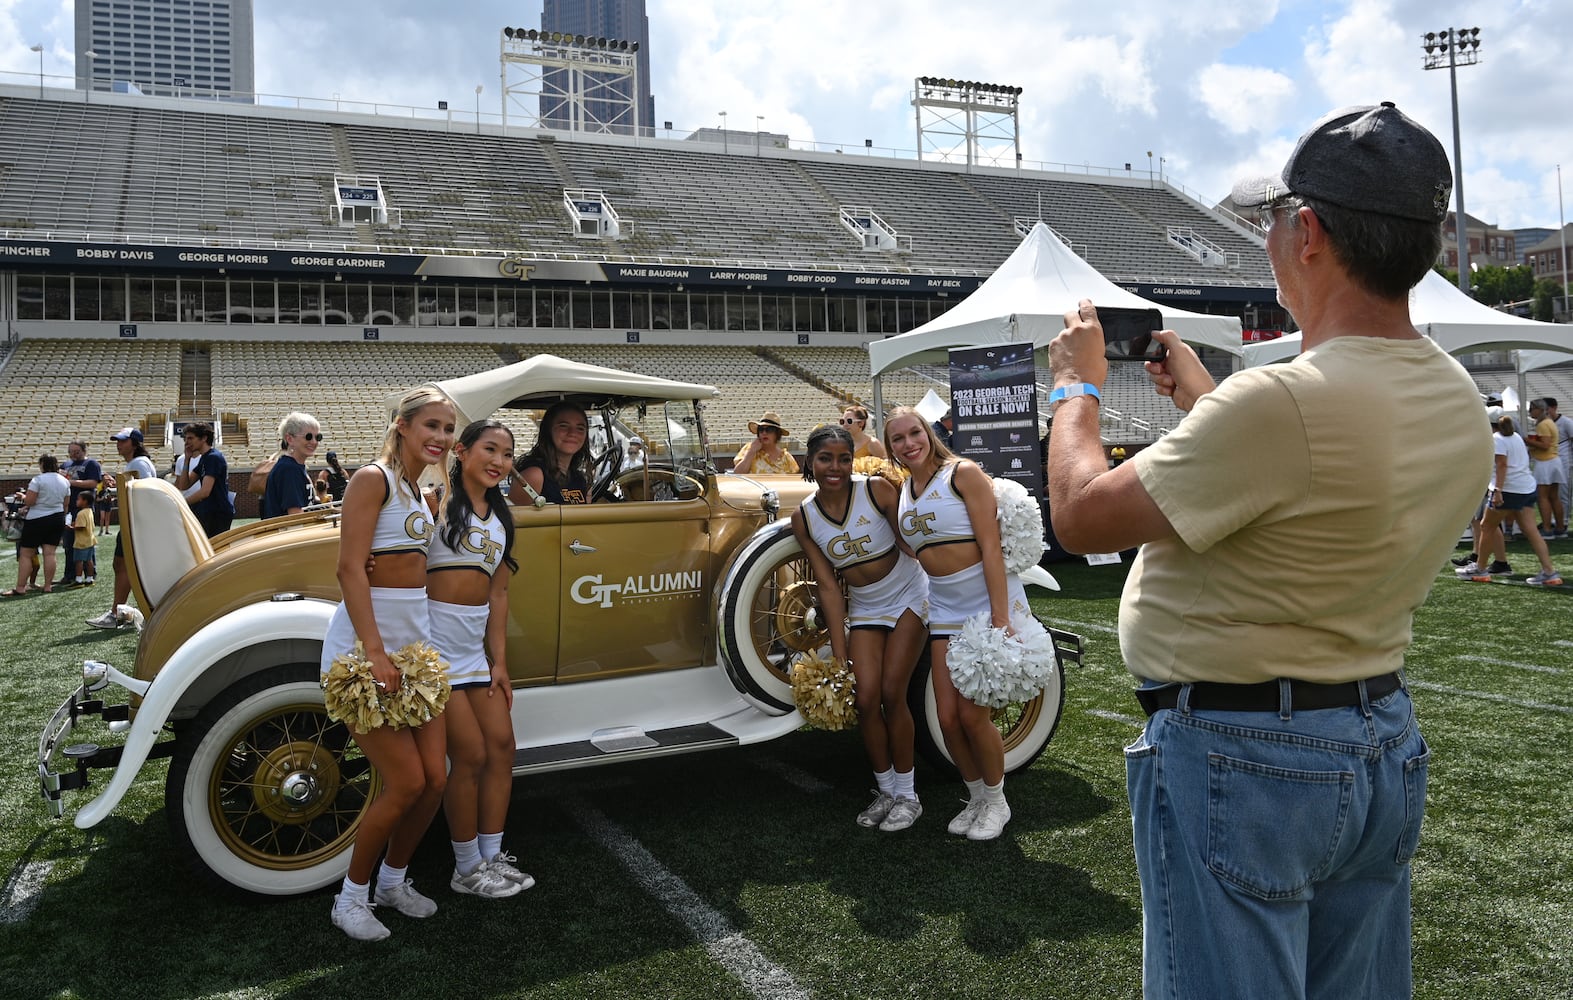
(605,472)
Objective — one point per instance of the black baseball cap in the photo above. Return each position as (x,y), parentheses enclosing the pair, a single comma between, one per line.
(1367,159)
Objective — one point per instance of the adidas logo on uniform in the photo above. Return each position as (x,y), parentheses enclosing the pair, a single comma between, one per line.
(932,495)
(862,521)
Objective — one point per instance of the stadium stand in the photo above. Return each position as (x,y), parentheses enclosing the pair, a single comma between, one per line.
(126,170)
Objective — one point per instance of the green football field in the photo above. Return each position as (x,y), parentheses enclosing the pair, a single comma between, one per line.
(741,873)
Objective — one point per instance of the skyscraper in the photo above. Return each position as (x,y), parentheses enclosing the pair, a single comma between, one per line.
(167,46)
(621,19)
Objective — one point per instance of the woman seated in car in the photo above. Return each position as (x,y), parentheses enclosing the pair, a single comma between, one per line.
(764,455)
(557,469)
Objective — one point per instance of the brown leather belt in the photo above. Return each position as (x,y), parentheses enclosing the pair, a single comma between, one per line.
(1207,696)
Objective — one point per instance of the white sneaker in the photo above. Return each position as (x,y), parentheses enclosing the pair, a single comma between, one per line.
(484,882)
(109,619)
(503,864)
(1468,569)
(877,810)
(991,820)
(406,900)
(902,815)
(357,920)
(964,819)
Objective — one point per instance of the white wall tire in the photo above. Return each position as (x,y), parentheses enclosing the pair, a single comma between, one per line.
(1025,727)
(769,612)
(265,791)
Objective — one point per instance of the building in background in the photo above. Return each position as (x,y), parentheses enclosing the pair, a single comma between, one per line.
(182,47)
(620,19)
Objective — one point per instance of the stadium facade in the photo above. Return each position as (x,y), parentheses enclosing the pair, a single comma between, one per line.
(334,257)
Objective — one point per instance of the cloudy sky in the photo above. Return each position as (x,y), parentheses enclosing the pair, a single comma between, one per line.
(1215,88)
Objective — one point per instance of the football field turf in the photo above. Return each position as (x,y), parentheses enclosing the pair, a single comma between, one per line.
(742,874)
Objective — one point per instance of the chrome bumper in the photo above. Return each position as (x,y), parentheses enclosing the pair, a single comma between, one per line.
(79,757)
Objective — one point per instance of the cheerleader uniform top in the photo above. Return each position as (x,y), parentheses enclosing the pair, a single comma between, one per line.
(480,546)
(939,516)
(862,536)
(404,524)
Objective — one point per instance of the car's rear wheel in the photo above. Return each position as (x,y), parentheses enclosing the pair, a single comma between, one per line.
(1025,726)
(769,613)
(266,790)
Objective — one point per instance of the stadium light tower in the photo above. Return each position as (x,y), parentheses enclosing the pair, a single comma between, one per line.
(975,119)
(572,82)
(40,50)
(1461,47)
(92,73)
(478,89)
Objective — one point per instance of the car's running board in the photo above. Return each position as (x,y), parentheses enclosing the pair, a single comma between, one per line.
(584,753)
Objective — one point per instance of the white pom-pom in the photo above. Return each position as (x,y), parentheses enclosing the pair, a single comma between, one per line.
(994,668)
(1021,525)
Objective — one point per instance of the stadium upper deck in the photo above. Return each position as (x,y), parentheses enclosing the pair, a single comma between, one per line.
(132,219)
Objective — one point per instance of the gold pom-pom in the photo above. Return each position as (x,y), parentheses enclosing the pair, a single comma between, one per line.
(824,689)
(352,696)
(868,465)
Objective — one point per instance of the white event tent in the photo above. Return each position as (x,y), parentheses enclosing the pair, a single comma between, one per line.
(1459,324)
(1026,298)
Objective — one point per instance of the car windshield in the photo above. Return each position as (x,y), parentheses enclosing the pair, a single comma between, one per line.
(670,435)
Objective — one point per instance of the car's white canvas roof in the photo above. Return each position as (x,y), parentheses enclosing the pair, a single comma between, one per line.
(545,377)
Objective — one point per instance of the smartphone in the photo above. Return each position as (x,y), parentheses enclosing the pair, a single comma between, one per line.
(1128,334)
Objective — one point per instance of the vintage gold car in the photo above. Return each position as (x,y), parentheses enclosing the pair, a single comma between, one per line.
(661,624)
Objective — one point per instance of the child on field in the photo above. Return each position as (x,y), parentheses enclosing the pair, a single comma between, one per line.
(85,545)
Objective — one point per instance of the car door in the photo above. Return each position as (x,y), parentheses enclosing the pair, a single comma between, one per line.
(634,588)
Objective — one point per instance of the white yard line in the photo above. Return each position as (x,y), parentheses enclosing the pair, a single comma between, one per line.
(1535,667)
(795,776)
(1089,626)
(732,950)
(21,891)
(1487,696)
(1117,717)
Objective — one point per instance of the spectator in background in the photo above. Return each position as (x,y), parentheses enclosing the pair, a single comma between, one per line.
(128,442)
(84,475)
(289,488)
(634,457)
(943,428)
(1565,449)
(206,483)
(338,478)
(1550,473)
(855,420)
(764,455)
(1513,495)
(85,538)
(46,518)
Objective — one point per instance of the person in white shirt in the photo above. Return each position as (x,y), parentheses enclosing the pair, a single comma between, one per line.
(128,442)
(46,520)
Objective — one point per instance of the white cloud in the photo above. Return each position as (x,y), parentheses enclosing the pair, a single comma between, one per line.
(1244,98)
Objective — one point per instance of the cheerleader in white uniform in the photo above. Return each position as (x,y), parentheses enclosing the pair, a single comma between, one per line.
(467,575)
(384,516)
(847,530)
(948,517)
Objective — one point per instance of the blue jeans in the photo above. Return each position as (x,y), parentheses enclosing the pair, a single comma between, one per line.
(1274,849)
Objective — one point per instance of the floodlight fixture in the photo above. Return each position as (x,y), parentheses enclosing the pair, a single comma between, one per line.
(1462,48)
(40,50)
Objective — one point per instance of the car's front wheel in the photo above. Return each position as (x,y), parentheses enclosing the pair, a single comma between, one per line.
(769,613)
(266,790)
(1025,726)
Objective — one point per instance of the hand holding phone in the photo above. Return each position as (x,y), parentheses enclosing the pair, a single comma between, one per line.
(1128,334)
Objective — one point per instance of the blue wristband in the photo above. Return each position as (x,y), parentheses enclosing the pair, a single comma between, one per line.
(1065,392)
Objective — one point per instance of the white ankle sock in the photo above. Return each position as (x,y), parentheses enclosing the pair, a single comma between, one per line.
(490,844)
(995,793)
(352,892)
(466,856)
(886,780)
(389,877)
(905,786)
(975,789)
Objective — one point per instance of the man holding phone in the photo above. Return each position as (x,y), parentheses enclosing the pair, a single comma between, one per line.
(1289,527)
